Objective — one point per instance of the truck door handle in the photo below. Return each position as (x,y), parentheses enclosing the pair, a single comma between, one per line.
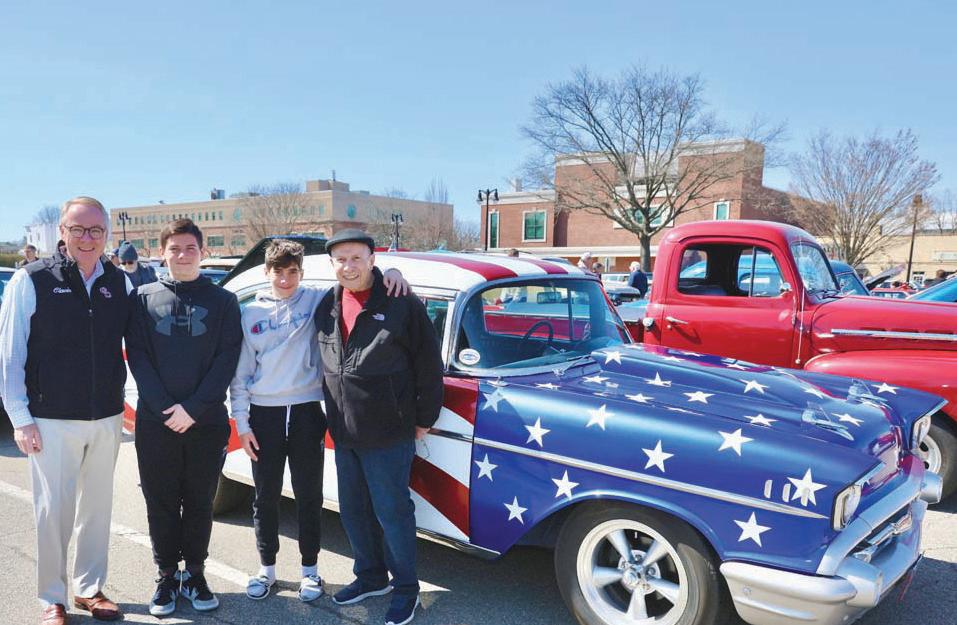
(675,321)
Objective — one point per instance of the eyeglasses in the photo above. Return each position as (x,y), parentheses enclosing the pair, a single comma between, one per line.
(128,262)
(95,232)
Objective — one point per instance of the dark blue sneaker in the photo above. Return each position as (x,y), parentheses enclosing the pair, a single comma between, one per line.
(357,591)
(195,588)
(402,610)
(163,602)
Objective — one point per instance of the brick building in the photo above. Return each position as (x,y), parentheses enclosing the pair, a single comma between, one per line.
(325,207)
(531,222)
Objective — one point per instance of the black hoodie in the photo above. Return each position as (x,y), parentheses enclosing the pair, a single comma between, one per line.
(183,346)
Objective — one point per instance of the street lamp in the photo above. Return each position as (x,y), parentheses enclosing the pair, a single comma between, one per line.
(396,222)
(916,205)
(486,195)
(124,217)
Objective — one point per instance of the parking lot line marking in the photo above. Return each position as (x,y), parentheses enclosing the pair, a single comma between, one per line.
(213,566)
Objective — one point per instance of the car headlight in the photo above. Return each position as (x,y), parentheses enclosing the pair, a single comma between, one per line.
(920,430)
(845,505)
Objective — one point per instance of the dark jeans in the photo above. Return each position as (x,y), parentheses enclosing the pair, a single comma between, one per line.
(179,474)
(304,446)
(378,514)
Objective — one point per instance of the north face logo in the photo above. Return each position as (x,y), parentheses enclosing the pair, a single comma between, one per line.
(189,323)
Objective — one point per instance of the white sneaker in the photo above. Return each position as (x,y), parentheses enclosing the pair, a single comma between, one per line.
(258,587)
(310,588)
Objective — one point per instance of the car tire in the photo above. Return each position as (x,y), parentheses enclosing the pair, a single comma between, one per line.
(939,451)
(670,577)
(230,495)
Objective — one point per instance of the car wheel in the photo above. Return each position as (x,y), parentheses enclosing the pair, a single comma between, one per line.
(230,494)
(939,451)
(618,564)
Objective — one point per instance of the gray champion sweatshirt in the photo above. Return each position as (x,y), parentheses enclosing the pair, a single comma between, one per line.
(279,362)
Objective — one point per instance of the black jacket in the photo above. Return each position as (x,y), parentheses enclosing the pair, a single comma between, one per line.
(387,378)
(183,346)
(144,274)
(74,367)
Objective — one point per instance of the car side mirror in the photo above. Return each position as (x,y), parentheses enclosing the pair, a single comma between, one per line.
(648,322)
(785,287)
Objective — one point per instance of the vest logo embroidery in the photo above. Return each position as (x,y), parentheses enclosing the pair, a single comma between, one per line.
(105,292)
(189,323)
(59,289)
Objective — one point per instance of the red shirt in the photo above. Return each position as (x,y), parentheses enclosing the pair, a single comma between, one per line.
(352,303)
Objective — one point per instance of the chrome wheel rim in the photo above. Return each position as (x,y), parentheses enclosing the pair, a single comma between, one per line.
(930,453)
(630,575)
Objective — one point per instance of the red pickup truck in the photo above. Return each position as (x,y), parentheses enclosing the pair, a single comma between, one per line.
(765,292)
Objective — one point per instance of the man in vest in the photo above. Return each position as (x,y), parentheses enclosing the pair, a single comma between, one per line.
(61,364)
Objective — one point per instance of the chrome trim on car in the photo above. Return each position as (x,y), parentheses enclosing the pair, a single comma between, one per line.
(892,334)
(455,436)
(458,545)
(663,482)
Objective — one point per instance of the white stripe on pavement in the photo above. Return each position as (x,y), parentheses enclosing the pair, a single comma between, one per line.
(213,566)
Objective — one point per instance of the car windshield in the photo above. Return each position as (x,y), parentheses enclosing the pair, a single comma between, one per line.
(536,323)
(814,269)
(943,292)
(851,284)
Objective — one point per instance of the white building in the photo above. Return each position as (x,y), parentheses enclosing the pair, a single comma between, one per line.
(44,237)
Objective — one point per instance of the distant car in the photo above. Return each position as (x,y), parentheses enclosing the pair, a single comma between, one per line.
(213,274)
(945,291)
(617,278)
(5,274)
(892,292)
(850,282)
(620,293)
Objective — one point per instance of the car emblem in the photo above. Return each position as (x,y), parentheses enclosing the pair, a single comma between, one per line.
(469,357)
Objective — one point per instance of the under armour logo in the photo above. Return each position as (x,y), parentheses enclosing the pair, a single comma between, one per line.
(190,322)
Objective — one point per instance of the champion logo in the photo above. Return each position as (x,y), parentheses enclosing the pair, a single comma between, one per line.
(60,289)
(105,292)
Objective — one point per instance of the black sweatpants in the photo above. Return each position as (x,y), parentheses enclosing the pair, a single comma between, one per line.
(296,433)
(179,474)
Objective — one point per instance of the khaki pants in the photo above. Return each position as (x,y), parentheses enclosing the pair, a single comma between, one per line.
(73,493)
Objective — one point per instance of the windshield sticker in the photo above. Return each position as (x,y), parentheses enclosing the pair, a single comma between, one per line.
(469,357)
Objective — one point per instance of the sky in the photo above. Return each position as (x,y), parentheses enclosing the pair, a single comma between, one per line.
(134,103)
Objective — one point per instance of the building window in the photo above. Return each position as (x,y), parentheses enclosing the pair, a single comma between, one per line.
(216,240)
(722,210)
(533,227)
(238,214)
(154,243)
(137,243)
(493,229)
(351,211)
(238,241)
(322,210)
(221,215)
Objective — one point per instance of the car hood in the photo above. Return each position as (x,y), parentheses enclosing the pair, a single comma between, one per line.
(866,323)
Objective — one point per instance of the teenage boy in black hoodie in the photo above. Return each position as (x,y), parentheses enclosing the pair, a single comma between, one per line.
(183,347)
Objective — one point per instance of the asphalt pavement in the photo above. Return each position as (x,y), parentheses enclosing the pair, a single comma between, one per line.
(517,589)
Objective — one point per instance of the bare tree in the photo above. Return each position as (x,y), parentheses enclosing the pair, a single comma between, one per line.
(862,190)
(425,229)
(281,208)
(651,148)
(49,214)
(944,207)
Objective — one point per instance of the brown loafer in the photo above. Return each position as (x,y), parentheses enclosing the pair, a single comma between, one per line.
(53,614)
(99,606)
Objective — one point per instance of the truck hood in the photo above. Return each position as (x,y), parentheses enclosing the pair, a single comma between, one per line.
(866,323)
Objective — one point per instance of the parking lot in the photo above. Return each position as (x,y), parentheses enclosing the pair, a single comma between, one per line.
(517,589)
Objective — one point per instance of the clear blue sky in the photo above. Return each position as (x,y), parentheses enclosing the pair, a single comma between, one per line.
(139,102)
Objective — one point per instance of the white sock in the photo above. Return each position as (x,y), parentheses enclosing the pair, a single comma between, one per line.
(268,571)
(310,570)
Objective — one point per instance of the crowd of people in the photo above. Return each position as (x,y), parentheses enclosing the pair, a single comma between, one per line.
(63,322)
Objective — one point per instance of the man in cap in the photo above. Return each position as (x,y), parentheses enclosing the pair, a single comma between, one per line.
(382,380)
(139,273)
(29,255)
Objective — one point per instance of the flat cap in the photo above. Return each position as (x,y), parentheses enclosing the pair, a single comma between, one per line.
(350,235)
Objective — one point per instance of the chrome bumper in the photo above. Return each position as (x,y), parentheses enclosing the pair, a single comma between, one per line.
(766,596)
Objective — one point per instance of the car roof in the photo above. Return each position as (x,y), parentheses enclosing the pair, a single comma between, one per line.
(840,266)
(445,270)
(781,234)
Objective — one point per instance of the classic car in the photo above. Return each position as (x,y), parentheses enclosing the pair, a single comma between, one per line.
(666,481)
(945,291)
(847,278)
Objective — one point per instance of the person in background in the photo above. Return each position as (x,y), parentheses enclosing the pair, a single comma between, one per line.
(183,345)
(585,262)
(61,248)
(29,255)
(114,256)
(939,277)
(597,269)
(139,273)
(62,324)
(513,253)
(637,278)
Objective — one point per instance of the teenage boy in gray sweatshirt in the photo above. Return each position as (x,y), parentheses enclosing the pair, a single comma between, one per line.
(274,399)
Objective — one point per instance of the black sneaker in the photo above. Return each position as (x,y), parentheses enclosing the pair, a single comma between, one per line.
(402,609)
(195,588)
(163,602)
(357,591)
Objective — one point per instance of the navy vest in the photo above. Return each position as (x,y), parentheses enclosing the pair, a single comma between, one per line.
(75,367)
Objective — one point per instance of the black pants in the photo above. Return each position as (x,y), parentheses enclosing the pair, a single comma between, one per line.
(296,433)
(179,474)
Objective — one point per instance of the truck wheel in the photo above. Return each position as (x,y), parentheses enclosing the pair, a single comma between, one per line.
(230,495)
(618,564)
(939,451)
